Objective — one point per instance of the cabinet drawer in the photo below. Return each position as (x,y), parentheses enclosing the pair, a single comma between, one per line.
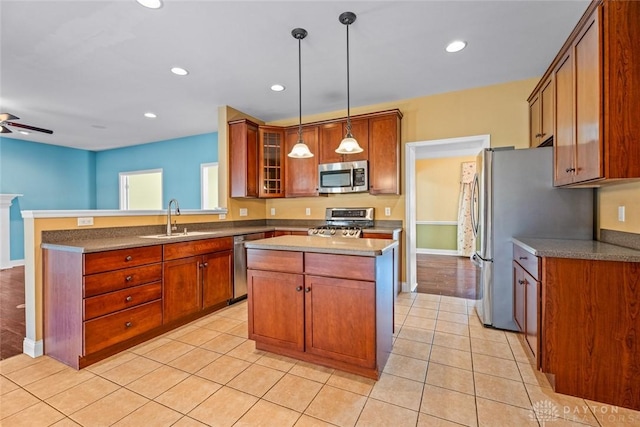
(98,262)
(343,266)
(196,247)
(529,261)
(264,259)
(108,330)
(120,300)
(101,283)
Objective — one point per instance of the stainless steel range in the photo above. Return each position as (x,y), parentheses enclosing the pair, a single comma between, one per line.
(344,222)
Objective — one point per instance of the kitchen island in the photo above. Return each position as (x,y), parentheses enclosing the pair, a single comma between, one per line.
(325,301)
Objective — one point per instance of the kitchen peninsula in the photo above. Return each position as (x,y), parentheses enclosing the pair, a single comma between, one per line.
(325,301)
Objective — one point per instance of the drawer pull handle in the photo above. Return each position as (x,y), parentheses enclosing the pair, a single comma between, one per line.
(128,258)
(128,299)
(128,325)
(307,290)
(521,282)
(128,278)
(299,288)
(523,257)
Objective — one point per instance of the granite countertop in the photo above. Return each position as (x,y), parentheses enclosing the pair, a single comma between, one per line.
(578,249)
(106,243)
(338,246)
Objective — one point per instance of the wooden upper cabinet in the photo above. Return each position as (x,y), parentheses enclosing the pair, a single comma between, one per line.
(331,134)
(243,158)
(597,97)
(271,162)
(301,175)
(534,120)
(541,114)
(384,153)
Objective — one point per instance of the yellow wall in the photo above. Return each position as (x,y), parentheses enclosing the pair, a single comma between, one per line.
(438,188)
(627,195)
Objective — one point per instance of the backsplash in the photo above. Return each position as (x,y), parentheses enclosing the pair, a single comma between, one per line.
(620,238)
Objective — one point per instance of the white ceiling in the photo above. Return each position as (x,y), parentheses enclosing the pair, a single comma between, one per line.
(89,69)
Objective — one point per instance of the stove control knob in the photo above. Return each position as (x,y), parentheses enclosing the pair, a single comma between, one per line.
(332,231)
(345,232)
(314,231)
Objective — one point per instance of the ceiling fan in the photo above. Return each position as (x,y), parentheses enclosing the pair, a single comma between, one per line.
(4,122)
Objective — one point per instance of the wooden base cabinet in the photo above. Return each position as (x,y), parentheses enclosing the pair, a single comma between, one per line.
(526,303)
(333,310)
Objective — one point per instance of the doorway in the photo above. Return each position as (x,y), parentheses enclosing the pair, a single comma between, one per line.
(451,147)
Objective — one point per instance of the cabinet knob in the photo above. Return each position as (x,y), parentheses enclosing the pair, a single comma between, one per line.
(206,264)
(299,288)
(523,257)
(128,278)
(128,325)
(521,282)
(128,258)
(307,290)
(128,299)
(538,135)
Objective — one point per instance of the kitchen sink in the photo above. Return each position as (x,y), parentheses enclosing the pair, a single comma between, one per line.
(178,234)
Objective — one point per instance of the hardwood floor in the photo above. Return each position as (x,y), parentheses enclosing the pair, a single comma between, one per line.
(12,320)
(446,275)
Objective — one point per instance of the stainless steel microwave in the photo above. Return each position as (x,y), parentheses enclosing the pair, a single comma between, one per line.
(344,177)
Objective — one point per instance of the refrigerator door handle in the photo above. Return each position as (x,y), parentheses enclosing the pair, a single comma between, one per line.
(475,260)
(474,205)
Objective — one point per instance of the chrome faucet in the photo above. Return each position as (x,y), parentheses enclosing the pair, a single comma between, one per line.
(177,209)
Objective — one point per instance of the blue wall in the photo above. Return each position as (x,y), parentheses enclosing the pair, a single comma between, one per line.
(48,176)
(52,177)
(178,158)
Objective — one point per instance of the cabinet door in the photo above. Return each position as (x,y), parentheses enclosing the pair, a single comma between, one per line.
(547,110)
(301,175)
(531,312)
(329,137)
(588,161)
(243,158)
(271,161)
(340,319)
(276,308)
(384,159)
(534,121)
(519,295)
(182,293)
(216,278)
(563,144)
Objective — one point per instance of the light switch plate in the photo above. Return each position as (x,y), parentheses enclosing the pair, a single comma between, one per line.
(387,211)
(222,216)
(307,211)
(273,211)
(621,213)
(244,212)
(83,222)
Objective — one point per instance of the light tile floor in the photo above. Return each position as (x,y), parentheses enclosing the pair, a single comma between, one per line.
(446,369)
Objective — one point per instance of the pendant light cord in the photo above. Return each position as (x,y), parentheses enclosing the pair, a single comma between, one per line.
(299,91)
(348,92)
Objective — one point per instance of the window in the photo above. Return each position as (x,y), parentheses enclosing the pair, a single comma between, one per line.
(209,185)
(141,190)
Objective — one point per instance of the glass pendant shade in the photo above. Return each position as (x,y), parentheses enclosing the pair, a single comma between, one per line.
(349,145)
(300,151)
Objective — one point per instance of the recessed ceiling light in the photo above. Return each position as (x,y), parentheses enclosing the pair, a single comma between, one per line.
(150,115)
(179,71)
(456,46)
(151,4)
(24,132)
(277,88)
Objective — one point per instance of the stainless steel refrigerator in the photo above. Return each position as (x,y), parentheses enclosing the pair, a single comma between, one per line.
(513,196)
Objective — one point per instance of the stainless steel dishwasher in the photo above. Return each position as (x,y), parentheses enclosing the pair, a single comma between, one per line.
(240,264)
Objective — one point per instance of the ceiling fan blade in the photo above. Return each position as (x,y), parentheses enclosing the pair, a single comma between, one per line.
(4,130)
(6,116)
(20,125)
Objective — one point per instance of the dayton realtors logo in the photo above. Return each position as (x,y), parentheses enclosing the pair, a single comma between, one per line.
(547,412)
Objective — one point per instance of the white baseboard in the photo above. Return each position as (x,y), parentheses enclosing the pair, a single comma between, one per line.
(450,252)
(12,263)
(32,348)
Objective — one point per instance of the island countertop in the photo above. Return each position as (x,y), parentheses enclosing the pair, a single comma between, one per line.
(338,246)
(577,249)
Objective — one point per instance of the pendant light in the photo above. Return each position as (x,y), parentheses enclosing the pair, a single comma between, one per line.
(349,145)
(300,149)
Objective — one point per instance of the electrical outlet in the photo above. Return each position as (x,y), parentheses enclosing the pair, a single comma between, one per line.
(82,222)
(222,216)
(273,211)
(621,213)
(244,212)
(387,211)
(307,211)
